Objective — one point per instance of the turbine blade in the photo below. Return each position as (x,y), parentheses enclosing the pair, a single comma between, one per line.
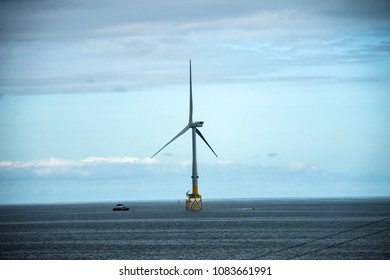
(174,138)
(190,120)
(201,136)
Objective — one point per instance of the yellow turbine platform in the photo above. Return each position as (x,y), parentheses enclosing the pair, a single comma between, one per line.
(194,202)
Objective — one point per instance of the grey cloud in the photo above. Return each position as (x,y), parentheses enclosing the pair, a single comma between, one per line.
(77,19)
(375,10)
(55,46)
(272,155)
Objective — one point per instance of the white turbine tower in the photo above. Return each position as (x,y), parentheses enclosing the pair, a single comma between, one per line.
(194,200)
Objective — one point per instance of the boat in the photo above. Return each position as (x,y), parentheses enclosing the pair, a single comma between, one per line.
(120,207)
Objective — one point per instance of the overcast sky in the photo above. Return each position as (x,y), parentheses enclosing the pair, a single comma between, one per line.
(295,96)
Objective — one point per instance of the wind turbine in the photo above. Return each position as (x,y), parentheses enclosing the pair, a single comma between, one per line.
(194,199)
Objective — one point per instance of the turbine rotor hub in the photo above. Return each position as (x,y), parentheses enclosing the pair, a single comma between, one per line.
(196,124)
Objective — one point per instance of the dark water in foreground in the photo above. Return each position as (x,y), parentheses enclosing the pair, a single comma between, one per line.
(277,229)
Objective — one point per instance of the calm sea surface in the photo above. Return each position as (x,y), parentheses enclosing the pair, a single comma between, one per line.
(226,229)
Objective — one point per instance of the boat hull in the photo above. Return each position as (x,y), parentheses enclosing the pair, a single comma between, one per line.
(120,209)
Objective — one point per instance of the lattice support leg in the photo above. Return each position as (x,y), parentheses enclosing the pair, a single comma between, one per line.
(194,203)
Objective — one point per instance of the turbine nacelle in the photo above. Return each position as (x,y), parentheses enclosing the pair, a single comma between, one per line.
(196,124)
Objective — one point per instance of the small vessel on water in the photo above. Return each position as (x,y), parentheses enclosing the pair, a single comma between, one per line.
(120,207)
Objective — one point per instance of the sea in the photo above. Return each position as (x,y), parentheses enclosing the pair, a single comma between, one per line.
(234,229)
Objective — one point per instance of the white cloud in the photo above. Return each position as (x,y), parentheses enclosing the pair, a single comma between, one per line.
(91,167)
(104,178)
(57,163)
(297,165)
(117,160)
(50,162)
(225,162)
(301,166)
